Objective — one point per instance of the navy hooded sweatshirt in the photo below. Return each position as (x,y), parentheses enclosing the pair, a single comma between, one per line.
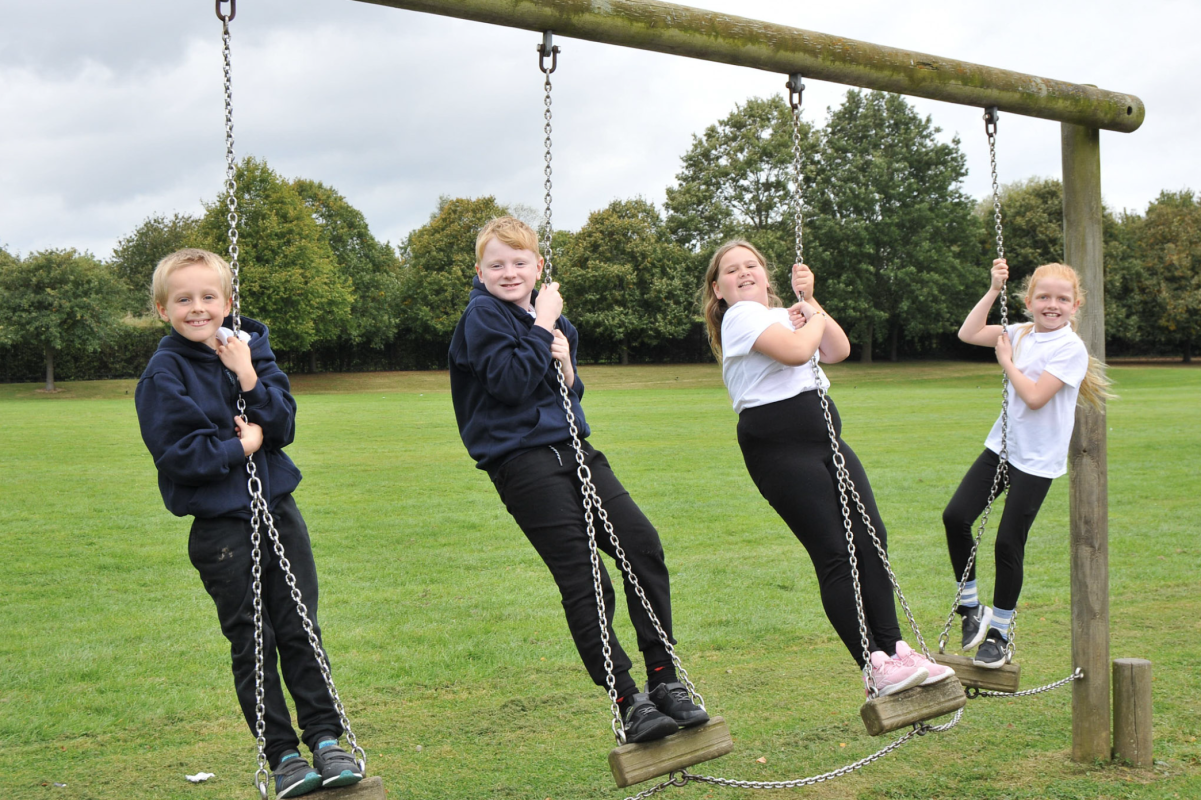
(503,382)
(186,401)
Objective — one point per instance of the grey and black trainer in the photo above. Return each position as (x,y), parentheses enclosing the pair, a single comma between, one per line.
(294,777)
(674,701)
(976,620)
(643,722)
(336,765)
(992,654)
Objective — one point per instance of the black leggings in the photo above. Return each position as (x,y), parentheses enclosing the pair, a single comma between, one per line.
(1026,495)
(786,448)
(540,489)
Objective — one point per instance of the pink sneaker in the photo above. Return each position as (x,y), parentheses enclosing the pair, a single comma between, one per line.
(892,676)
(912,658)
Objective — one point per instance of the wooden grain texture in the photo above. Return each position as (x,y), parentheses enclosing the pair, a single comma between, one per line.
(371,788)
(730,39)
(635,763)
(1089,490)
(900,710)
(1132,711)
(1003,679)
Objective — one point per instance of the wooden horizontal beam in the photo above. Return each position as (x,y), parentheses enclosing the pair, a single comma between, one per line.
(921,703)
(635,763)
(1006,678)
(729,39)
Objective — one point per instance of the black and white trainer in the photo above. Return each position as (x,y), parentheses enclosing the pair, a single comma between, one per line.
(992,654)
(643,722)
(976,620)
(674,701)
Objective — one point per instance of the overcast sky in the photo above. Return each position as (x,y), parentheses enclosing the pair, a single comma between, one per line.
(112,111)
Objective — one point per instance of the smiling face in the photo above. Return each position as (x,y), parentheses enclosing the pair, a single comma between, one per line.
(508,273)
(1052,303)
(195,305)
(741,276)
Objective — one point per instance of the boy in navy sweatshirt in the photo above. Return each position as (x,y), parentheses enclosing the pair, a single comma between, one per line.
(187,409)
(511,418)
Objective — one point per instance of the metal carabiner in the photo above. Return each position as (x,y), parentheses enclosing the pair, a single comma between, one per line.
(990,121)
(548,48)
(796,88)
(233,10)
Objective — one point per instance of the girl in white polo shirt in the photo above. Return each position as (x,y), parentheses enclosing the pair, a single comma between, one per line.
(1048,369)
(765,352)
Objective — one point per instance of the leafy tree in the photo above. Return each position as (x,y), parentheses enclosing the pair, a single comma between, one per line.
(136,255)
(1171,254)
(370,266)
(289,275)
(625,282)
(57,299)
(892,239)
(438,264)
(737,181)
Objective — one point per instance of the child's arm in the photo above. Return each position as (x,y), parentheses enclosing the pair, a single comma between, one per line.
(269,401)
(835,346)
(510,365)
(1034,394)
(186,445)
(794,348)
(975,329)
(560,350)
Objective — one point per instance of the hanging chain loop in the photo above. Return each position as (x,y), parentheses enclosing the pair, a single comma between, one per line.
(233,10)
(796,90)
(547,48)
(261,517)
(1000,484)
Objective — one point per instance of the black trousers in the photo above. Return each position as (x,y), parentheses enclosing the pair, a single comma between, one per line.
(1025,498)
(220,550)
(542,492)
(786,448)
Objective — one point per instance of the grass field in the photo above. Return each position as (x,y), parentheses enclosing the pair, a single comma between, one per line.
(446,633)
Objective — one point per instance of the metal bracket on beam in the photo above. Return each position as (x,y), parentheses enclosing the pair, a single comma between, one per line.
(796,88)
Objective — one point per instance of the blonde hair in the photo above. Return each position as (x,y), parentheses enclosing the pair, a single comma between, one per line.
(507,230)
(1094,389)
(713,308)
(186,258)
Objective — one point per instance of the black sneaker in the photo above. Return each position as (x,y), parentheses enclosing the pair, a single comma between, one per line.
(992,654)
(975,624)
(294,776)
(674,701)
(645,723)
(336,766)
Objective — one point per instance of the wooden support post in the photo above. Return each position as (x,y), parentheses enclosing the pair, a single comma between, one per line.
(367,789)
(635,763)
(729,39)
(1132,711)
(895,711)
(1086,455)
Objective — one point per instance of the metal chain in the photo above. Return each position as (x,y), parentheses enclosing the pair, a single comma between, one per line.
(547,49)
(1000,484)
(1077,674)
(260,512)
(796,89)
(683,777)
(590,497)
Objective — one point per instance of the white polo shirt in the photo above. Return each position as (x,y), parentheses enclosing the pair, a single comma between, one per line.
(1038,440)
(752,378)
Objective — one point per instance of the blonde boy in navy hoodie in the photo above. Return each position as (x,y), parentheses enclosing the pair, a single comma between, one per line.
(187,409)
(511,418)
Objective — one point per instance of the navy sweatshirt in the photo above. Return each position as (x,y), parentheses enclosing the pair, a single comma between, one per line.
(186,401)
(503,382)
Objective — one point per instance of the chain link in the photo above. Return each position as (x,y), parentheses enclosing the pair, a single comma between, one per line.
(1077,674)
(796,88)
(593,508)
(683,777)
(260,512)
(1000,484)
(547,49)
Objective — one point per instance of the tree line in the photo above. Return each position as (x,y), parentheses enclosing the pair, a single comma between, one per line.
(900,251)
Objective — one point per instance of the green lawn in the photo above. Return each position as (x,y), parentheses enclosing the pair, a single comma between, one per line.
(446,633)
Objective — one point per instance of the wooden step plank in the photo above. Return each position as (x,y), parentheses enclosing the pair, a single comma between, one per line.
(635,763)
(1003,679)
(371,788)
(884,714)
